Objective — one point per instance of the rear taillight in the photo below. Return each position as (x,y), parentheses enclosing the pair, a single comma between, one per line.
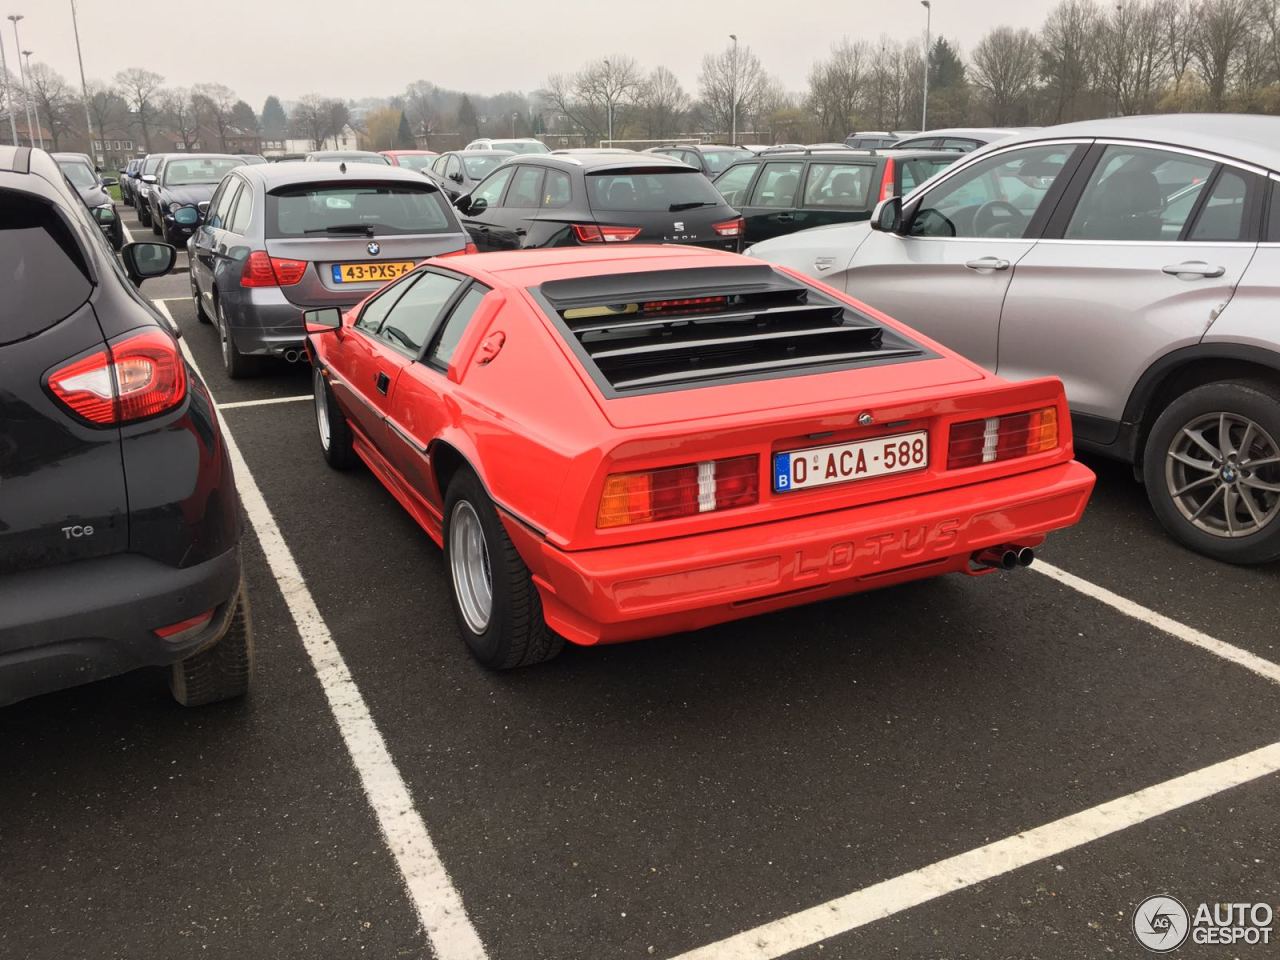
(684,304)
(469,248)
(975,442)
(886,180)
(730,228)
(134,377)
(683,491)
(179,630)
(263,270)
(594,233)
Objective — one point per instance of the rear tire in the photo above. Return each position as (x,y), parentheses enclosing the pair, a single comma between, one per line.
(201,314)
(220,672)
(499,610)
(156,225)
(1224,504)
(331,425)
(236,364)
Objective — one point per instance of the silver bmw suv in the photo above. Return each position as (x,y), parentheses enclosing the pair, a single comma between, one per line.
(1135,258)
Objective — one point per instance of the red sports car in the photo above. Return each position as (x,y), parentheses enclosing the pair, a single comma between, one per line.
(616,444)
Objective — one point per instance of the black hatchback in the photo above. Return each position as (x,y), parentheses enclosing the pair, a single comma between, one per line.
(542,200)
(119,520)
(780,193)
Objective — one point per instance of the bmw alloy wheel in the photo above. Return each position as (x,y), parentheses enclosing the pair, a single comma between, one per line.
(1223,474)
(469,565)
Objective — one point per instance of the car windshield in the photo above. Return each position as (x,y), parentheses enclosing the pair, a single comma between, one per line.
(415,161)
(78,173)
(657,190)
(178,173)
(478,167)
(149,165)
(342,209)
(520,146)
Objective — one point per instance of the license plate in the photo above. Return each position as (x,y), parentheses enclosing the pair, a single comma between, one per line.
(842,462)
(370,272)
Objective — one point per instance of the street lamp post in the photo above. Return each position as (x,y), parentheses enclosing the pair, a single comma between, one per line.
(733,136)
(928,24)
(608,96)
(515,115)
(84,88)
(26,98)
(8,94)
(34,108)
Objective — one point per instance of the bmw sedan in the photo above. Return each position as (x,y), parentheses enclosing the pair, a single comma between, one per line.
(281,238)
(1135,258)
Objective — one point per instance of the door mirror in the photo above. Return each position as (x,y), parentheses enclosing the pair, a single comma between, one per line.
(145,260)
(104,215)
(109,181)
(463,203)
(887,217)
(186,216)
(148,178)
(322,320)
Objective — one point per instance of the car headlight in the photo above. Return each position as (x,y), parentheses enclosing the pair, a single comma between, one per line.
(175,207)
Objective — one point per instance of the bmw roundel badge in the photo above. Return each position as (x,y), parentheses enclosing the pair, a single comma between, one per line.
(373,248)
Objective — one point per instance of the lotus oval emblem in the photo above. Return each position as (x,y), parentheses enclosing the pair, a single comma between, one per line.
(374,248)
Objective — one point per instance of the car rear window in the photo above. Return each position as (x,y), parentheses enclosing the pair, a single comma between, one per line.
(42,270)
(78,173)
(516,146)
(317,209)
(717,160)
(478,167)
(916,172)
(415,161)
(654,190)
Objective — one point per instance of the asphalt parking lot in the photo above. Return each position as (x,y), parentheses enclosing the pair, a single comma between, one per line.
(787,785)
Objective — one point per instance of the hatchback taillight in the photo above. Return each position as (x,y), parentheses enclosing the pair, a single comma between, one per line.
(886,180)
(594,233)
(730,228)
(683,491)
(1014,435)
(263,270)
(133,377)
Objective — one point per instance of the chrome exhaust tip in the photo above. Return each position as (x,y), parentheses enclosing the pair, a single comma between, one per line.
(997,558)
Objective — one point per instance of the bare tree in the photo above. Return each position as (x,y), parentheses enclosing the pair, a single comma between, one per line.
(420,107)
(609,85)
(835,85)
(1004,68)
(215,101)
(181,114)
(107,109)
(309,119)
(1178,19)
(1222,31)
(1068,57)
(336,116)
(140,89)
(54,101)
(731,79)
(662,103)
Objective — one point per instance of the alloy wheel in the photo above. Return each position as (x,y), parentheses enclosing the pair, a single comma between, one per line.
(322,408)
(1222,471)
(469,565)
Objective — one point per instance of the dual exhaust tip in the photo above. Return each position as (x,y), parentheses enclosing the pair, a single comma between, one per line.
(292,356)
(1008,557)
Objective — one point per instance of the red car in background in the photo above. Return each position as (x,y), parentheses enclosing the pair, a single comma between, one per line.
(617,444)
(413,159)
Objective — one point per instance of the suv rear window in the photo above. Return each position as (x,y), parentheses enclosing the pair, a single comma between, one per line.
(653,190)
(316,209)
(42,270)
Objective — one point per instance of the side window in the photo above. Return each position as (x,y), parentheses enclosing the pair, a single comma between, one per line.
(733,184)
(777,185)
(455,326)
(994,197)
(490,191)
(216,199)
(1139,193)
(556,190)
(526,187)
(239,220)
(1222,218)
(376,310)
(218,217)
(837,185)
(412,317)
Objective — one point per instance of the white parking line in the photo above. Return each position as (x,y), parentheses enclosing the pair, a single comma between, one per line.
(236,404)
(439,907)
(1243,658)
(808,927)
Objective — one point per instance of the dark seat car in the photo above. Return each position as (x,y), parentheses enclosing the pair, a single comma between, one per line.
(710,158)
(780,193)
(556,201)
(347,156)
(458,171)
(281,238)
(94,194)
(119,520)
(185,180)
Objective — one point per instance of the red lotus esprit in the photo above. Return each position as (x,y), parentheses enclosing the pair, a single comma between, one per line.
(616,444)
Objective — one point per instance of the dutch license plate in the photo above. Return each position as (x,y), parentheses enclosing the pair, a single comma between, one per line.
(370,272)
(842,462)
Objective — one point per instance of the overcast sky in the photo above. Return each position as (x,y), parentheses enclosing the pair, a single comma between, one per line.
(359,48)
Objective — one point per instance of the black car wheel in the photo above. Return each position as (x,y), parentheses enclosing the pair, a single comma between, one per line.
(498,609)
(222,671)
(1212,471)
(201,314)
(237,365)
(156,225)
(143,217)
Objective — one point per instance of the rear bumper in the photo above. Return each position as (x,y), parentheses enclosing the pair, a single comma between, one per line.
(656,588)
(262,321)
(72,624)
